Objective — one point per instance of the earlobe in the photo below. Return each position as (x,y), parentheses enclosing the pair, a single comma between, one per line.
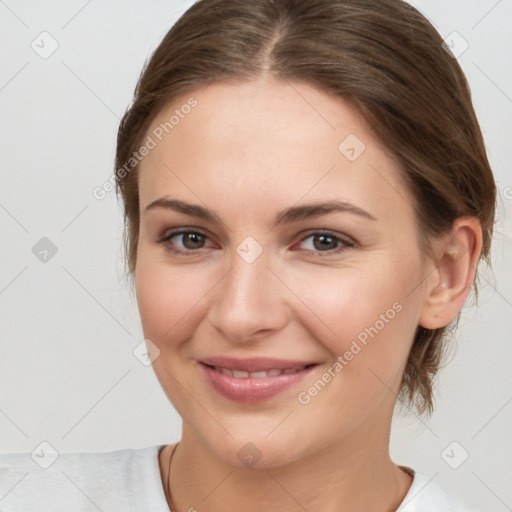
(448,285)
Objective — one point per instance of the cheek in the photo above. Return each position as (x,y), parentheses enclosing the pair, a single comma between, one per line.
(367,317)
(374,321)
(168,299)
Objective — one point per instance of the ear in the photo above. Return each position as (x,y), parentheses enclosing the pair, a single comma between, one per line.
(449,283)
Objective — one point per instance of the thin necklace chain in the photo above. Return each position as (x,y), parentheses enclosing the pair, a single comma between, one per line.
(169,497)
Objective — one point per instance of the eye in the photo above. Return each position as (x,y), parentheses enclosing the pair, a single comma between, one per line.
(189,241)
(322,243)
(184,241)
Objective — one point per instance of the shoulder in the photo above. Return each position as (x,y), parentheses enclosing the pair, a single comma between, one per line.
(426,495)
(114,480)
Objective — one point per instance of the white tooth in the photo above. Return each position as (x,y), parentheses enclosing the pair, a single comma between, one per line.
(257,375)
(240,374)
(274,373)
(225,371)
(292,370)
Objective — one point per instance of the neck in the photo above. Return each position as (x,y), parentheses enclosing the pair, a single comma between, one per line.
(353,474)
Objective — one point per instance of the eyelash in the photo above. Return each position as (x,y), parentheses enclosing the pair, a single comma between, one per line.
(346,243)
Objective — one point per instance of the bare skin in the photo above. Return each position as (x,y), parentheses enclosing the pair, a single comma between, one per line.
(246,152)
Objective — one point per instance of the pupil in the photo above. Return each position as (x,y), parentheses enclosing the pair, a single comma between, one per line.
(193,240)
(330,240)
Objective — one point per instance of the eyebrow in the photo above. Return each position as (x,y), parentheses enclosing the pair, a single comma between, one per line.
(288,215)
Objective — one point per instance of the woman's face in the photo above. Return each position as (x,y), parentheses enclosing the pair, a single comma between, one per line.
(254,267)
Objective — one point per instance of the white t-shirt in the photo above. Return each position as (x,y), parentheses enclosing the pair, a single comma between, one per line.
(129,480)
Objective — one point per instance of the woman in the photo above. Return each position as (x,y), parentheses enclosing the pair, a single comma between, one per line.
(307,197)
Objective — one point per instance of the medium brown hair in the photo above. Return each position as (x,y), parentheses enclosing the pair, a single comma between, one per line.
(381,55)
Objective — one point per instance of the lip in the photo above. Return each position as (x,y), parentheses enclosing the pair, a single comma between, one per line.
(253,389)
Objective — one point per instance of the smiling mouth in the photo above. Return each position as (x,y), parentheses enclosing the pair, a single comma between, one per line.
(261,383)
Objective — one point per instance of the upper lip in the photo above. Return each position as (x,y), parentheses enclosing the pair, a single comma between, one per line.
(254,364)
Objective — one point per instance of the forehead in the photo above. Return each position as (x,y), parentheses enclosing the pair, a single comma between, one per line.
(263,140)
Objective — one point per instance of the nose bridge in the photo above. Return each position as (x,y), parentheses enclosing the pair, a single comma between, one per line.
(249,300)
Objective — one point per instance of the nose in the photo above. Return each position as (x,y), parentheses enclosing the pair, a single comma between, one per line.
(249,302)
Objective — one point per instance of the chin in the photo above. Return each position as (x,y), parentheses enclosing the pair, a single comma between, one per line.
(257,451)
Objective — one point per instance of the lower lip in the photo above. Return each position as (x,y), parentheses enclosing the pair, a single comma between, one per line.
(252,389)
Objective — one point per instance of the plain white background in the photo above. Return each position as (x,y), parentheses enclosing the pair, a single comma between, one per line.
(69,325)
